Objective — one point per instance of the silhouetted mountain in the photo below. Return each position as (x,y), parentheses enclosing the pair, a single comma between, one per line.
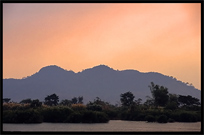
(100,81)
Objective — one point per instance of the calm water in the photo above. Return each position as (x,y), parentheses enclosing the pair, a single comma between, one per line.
(113,125)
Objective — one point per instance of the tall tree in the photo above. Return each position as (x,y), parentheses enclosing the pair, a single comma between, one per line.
(52,100)
(80,100)
(173,102)
(74,100)
(188,100)
(159,94)
(127,98)
(66,102)
(138,101)
(36,103)
(173,98)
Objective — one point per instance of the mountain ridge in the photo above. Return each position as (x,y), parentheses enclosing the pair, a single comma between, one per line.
(95,67)
(99,81)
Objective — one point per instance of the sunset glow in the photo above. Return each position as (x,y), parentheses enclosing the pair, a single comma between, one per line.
(164,38)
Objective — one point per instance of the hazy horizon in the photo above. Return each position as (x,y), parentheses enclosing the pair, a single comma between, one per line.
(159,37)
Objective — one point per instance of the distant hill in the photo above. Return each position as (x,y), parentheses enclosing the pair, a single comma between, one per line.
(100,81)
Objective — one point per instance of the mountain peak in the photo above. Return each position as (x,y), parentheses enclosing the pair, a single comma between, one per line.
(53,70)
(50,68)
(99,68)
(102,67)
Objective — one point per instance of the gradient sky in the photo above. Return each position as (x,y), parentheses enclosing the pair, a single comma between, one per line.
(164,38)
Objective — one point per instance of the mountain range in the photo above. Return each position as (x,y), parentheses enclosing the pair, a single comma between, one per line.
(100,81)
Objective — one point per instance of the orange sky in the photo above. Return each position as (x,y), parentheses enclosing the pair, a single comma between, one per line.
(162,38)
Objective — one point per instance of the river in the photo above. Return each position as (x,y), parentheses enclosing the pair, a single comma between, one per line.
(112,125)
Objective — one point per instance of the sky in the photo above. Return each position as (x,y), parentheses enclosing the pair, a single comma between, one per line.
(148,37)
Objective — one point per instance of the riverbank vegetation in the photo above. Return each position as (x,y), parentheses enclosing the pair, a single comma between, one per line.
(162,107)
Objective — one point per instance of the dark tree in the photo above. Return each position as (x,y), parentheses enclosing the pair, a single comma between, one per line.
(127,98)
(173,98)
(52,100)
(80,100)
(36,103)
(6,100)
(188,100)
(74,100)
(159,94)
(98,101)
(138,101)
(66,102)
(173,102)
(26,101)
(149,102)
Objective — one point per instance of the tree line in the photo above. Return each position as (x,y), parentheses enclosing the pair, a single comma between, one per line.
(161,107)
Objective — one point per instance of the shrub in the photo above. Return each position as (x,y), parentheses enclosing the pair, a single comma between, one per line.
(78,107)
(34,117)
(101,117)
(133,116)
(94,107)
(9,116)
(89,117)
(175,116)
(74,118)
(188,117)
(28,116)
(150,118)
(162,119)
(198,116)
(170,120)
(141,117)
(56,114)
(153,112)
(171,106)
(124,115)
(15,106)
(112,114)
(22,116)
(94,117)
